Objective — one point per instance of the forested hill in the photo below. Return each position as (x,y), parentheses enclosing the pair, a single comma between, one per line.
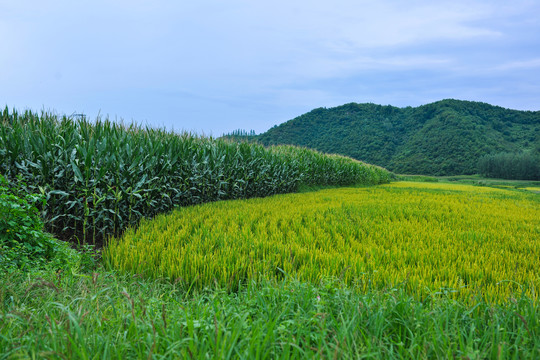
(442,138)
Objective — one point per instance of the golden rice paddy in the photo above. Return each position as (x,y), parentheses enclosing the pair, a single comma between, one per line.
(432,239)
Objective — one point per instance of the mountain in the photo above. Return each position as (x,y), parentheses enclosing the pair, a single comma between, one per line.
(447,137)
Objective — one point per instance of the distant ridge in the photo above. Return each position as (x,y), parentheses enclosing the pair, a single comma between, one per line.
(446,137)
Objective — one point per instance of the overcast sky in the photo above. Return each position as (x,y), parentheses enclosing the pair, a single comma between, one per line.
(215,66)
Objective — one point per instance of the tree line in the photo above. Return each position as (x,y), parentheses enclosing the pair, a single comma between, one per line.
(516,166)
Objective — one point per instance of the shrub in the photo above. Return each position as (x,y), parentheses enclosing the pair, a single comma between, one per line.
(23,242)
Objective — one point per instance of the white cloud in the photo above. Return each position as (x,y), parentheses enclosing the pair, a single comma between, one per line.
(372,23)
(519,65)
(260,54)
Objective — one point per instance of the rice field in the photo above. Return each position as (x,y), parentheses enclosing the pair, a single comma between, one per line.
(432,239)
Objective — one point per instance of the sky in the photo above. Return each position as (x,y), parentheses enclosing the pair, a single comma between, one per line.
(211,67)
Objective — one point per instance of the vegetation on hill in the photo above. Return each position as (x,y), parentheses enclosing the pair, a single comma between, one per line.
(100,177)
(447,137)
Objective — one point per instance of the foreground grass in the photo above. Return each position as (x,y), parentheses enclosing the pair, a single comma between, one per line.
(108,316)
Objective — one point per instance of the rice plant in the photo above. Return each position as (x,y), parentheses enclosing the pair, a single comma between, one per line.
(433,239)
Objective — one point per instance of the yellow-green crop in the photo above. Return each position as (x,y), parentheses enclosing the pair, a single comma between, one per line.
(430,238)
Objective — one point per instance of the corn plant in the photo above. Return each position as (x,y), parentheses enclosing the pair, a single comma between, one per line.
(101,177)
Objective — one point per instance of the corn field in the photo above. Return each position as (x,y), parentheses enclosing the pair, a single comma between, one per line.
(434,239)
(101,177)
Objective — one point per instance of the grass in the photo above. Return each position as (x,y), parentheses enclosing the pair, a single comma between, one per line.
(105,315)
(477,180)
(483,181)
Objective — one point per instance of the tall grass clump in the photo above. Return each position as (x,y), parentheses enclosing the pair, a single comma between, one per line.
(100,177)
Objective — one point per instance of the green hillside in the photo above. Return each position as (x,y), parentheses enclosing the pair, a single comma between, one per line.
(447,137)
